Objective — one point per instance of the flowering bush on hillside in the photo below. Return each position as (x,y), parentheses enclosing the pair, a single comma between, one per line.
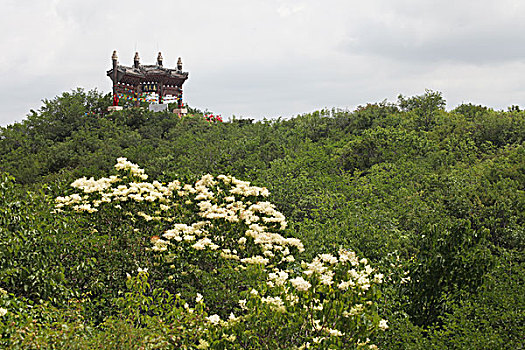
(213,118)
(222,233)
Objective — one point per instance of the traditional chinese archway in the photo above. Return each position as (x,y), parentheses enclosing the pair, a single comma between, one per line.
(135,83)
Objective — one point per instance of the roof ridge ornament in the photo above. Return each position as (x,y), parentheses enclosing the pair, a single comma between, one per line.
(136,60)
(179,64)
(159,59)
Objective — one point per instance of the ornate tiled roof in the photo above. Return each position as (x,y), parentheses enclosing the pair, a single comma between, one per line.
(139,73)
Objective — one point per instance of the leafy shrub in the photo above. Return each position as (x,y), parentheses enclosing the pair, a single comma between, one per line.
(218,233)
(32,245)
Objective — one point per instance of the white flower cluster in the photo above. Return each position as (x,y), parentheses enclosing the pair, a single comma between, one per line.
(336,287)
(105,190)
(124,164)
(300,284)
(276,303)
(243,188)
(181,232)
(91,185)
(356,277)
(214,319)
(255,260)
(202,243)
(216,200)
(277,278)
(220,199)
(76,202)
(159,245)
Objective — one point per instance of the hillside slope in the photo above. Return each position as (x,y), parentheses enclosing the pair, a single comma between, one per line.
(434,199)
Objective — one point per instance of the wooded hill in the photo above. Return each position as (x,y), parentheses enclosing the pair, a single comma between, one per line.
(433,199)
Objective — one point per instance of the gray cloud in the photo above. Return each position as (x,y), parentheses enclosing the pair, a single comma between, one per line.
(484,46)
(488,32)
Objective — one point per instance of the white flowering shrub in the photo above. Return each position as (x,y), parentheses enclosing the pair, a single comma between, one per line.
(222,234)
(328,302)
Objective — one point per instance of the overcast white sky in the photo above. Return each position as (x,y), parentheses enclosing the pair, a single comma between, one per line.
(269,58)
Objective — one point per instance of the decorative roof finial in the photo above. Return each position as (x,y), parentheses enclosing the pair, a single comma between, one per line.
(179,64)
(114,57)
(159,59)
(136,60)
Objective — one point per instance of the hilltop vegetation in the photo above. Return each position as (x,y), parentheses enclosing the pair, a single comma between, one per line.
(434,200)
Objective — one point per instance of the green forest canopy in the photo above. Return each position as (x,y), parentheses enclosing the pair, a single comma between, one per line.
(433,198)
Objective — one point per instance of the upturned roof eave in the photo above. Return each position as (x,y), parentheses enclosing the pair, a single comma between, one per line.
(147,72)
